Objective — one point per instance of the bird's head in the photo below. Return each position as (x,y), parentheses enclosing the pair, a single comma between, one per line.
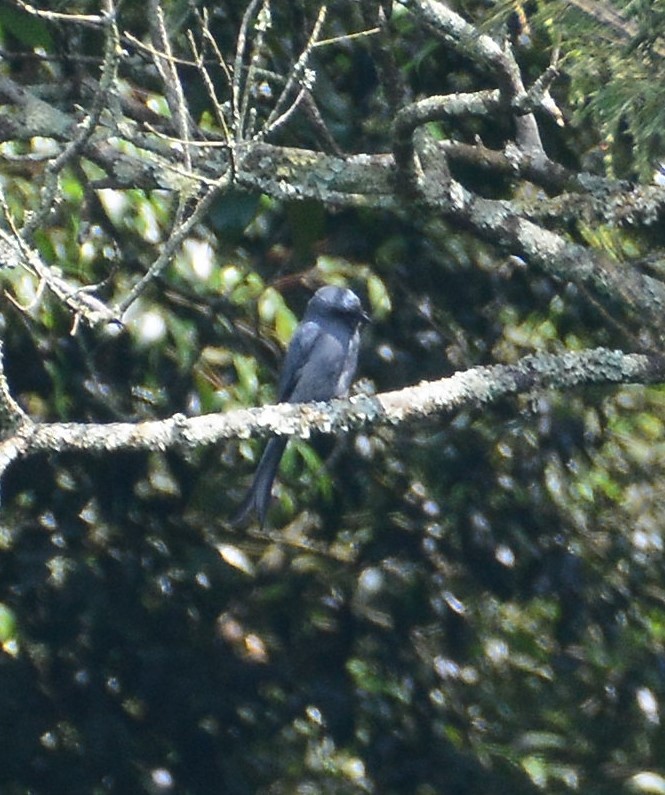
(341,301)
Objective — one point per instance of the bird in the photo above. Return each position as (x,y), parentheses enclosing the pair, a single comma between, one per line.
(320,364)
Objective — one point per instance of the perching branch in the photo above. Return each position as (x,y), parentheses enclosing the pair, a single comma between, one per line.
(477,387)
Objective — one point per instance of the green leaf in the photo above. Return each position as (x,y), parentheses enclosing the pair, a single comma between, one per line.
(29,30)
(7,624)
(379,298)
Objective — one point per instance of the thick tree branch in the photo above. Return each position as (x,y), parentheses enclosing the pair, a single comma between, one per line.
(369,181)
(359,180)
(484,51)
(362,180)
(477,387)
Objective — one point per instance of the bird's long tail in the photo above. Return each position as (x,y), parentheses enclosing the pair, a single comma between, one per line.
(258,496)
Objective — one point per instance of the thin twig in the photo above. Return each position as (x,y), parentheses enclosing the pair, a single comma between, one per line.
(210,88)
(281,120)
(109,71)
(346,37)
(298,69)
(313,113)
(175,98)
(221,62)
(176,237)
(193,144)
(163,61)
(237,90)
(12,415)
(79,300)
(44,57)
(154,53)
(247,113)
(84,19)
(215,47)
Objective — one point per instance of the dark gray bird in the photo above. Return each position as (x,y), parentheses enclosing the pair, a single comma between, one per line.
(320,364)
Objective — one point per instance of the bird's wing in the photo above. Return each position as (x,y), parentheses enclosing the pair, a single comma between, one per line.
(296,358)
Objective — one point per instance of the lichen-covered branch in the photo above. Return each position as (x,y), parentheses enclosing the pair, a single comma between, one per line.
(414,176)
(476,387)
(488,54)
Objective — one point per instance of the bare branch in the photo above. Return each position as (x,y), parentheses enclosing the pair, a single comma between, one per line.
(281,120)
(538,96)
(154,53)
(50,188)
(83,19)
(178,234)
(163,60)
(210,88)
(297,72)
(312,112)
(359,34)
(240,96)
(363,180)
(500,62)
(212,43)
(15,252)
(392,81)
(436,108)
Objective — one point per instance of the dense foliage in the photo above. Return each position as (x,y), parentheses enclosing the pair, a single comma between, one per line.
(474,606)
